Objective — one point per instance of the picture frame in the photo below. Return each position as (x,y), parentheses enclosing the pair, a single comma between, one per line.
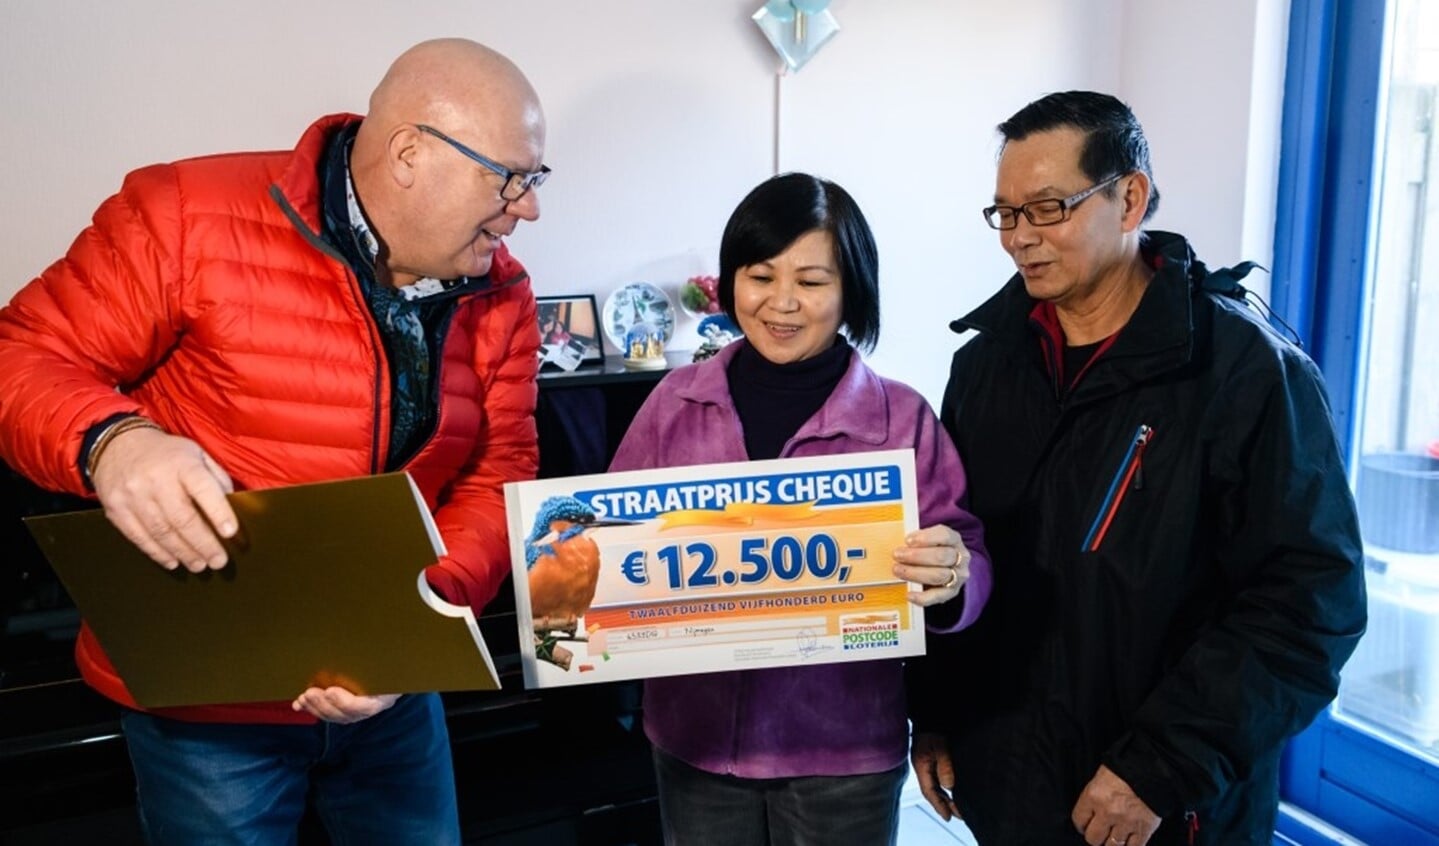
(570,335)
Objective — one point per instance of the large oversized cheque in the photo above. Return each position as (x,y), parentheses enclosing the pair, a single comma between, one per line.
(714,567)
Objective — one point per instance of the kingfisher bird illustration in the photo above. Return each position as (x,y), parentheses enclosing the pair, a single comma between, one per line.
(562,560)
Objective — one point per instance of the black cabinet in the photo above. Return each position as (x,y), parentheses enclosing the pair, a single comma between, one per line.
(565,766)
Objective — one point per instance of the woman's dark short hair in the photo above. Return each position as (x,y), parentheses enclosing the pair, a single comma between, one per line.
(1114,141)
(781,209)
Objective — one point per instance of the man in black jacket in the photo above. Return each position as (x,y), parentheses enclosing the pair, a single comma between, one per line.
(1178,570)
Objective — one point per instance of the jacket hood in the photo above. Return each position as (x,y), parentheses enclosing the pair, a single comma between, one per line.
(1158,336)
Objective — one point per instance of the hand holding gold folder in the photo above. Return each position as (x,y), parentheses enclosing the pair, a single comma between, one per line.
(324,586)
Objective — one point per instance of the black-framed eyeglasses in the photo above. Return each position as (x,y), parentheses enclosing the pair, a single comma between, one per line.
(517,183)
(1043,212)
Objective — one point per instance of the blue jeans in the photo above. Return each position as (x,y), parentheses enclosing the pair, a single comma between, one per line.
(386,780)
(699,808)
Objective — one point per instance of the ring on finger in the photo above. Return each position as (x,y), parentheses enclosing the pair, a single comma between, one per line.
(953,577)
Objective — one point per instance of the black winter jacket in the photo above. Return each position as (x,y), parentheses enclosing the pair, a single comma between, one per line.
(1177,565)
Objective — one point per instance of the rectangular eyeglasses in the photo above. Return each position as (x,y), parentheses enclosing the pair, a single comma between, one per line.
(1042,212)
(517,183)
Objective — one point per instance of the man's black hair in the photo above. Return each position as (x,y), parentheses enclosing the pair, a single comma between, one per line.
(1114,142)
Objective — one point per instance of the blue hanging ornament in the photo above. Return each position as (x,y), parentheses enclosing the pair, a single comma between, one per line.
(780,10)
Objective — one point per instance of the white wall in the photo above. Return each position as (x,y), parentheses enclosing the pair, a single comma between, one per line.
(662,115)
(1207,82)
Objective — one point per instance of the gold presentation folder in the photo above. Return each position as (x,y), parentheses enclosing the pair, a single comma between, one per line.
(324,586)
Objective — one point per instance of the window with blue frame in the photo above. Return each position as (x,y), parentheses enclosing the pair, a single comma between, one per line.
(1357,270)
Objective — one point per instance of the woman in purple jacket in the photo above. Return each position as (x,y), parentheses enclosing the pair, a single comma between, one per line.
(813,754)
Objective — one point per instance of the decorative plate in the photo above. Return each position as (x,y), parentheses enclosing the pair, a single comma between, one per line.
(634,304)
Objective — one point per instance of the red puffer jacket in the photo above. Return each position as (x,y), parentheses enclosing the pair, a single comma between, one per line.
(204,293)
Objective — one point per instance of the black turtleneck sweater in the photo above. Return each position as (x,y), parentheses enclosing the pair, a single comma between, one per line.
(774,400)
